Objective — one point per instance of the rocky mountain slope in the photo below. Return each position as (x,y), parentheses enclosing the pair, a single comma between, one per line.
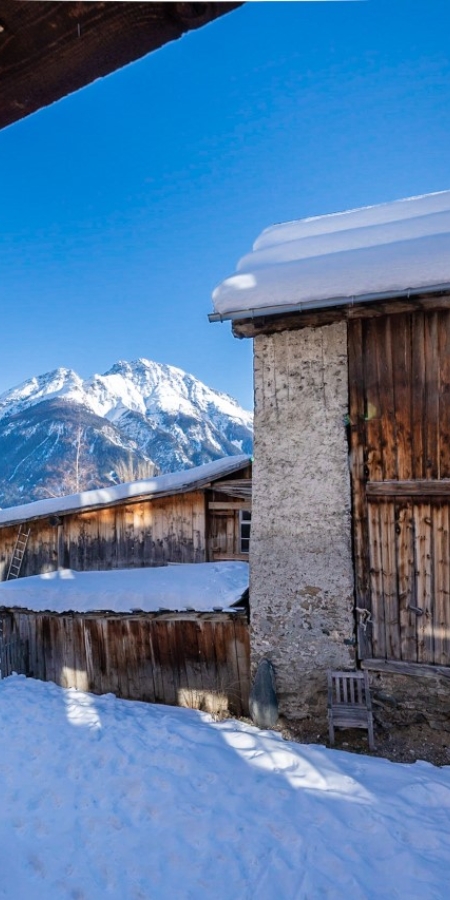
(60,434)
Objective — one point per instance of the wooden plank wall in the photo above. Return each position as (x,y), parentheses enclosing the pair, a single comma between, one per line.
(399,375)
(171,529)
(41,553)
(196,660)
(147,533)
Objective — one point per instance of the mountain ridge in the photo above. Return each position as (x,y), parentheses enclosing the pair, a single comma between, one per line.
(60,433)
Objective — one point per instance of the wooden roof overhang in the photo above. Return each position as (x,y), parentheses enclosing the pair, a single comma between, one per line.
(405,302)
(239,487)
(50,49)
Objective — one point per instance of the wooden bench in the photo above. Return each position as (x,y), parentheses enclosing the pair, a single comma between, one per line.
(349,703)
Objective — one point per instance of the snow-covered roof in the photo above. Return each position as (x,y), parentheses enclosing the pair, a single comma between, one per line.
(193,586)
(150,488)
(398,248)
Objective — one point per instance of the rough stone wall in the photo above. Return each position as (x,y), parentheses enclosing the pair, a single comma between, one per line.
(301,561)
(404,700)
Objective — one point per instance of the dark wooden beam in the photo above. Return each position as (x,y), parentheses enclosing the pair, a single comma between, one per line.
(229,505)
(400,667)
(261,324)
(248,328)
(50,49)
(238,487)
(419,488)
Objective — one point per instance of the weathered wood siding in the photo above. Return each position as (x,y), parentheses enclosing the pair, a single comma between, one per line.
(399,376)
(147,533)
(199,660)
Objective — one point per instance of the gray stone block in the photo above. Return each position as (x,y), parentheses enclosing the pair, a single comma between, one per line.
(263,702)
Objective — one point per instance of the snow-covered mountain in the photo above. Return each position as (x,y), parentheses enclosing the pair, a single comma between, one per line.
(59,433)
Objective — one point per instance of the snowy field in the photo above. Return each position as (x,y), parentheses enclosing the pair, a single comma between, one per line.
(106,798)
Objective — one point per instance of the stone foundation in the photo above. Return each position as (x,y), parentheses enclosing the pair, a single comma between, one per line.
(301,562)
(405,700)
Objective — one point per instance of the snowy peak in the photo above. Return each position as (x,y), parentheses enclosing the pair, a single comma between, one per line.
(141,386)
(59,383)
(164,388)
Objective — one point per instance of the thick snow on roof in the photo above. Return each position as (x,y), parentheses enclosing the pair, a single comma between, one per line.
(198,586)
(390,249)
(162,485)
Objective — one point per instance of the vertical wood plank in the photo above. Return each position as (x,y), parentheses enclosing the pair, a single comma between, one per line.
(153,647)
(133,641)
(188,649)
(205,637)
(444,395)
(385,351)
(401,355)
(143,650)
(441,596)
(432,395)
(422,517)
(239,639)
(242,643)
(418,396)
(357,471)
(374,433)
(226,682)
(406,582)
(390,587)
(66,677)
(376,581)
(115,676)
(163,634)
(179,659)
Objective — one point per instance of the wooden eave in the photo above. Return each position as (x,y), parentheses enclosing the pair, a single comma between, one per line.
(236,487)
(272,324)
(50,49)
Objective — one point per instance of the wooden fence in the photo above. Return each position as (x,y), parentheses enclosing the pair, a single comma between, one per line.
(198,660)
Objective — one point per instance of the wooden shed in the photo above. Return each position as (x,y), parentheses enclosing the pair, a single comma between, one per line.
(197,515)
(350,315)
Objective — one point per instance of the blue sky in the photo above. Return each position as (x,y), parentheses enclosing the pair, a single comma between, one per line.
(123,205)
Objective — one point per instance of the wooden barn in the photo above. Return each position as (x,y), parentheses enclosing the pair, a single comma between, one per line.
(196,515)
(350,558)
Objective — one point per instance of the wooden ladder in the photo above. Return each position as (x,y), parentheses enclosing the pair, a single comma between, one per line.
(18,553)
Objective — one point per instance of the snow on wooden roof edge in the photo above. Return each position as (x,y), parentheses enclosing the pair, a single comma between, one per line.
(175,588)
(360,255)
(159,486)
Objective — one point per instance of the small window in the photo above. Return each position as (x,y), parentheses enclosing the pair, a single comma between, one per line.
(245,519)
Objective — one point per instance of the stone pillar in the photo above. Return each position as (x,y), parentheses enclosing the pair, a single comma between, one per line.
(301,585)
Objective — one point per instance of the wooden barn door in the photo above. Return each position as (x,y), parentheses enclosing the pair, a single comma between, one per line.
(399,381)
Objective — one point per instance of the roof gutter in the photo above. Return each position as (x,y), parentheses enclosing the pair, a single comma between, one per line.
(327,303)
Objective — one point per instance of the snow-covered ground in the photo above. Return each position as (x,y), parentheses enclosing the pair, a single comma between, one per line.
(199,586)
(106,798)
